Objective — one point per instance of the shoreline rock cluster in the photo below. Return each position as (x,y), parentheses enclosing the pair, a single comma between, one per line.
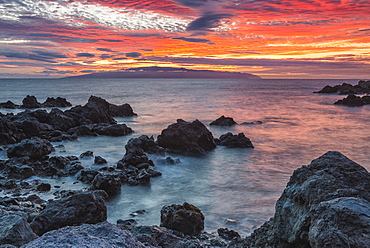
(362,87)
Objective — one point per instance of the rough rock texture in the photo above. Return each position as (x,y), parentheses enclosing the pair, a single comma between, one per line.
(9,105)
(102,235)
(223,121)
(35,148)
(14,229)
(185,218)
(30,102)
(354,101)
(234,141)
(56,102)
(9,133)
(344,89)
(325,204)
(109,183)
(121,110)
(147,144)
(88,207)
(189,138)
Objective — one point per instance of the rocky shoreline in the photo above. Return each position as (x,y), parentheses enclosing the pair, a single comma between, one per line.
(325,204)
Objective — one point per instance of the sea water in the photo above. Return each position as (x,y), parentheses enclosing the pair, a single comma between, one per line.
(226,184)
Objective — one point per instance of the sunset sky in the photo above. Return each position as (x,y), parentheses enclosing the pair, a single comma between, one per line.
(269,38)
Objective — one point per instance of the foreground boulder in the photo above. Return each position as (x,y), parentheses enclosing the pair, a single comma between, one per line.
(185,218)
(35,148)
(78,209)
(223,121)
(14,229)
(325,204)
(189,138)
(102,235)
(234,141)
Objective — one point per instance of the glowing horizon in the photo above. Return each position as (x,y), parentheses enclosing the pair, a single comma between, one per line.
(268,38)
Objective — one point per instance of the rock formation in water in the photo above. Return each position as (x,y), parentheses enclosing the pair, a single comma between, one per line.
(234,141)
(354,101)
(92,119)
(223,121)
(189,138)
(363,87)
(325,204)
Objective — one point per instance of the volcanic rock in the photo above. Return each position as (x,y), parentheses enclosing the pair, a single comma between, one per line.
(185,218)
(109,183)
(121,110)
(102,235)
(30,102)
(9,105)
(59,102)
(189,138)
(352,101)
(35,148)
(223,121)
(325,204)
(77,209)
(234,141)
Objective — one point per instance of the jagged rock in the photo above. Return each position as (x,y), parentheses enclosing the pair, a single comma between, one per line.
(44,187)
(147,144)
(109,183)
(102,235)
(185,218)
(223,121)
(100,160)
(325,204)
(189,138)
(14,229)
(60,121)
(234,141)
(59,102)
(352,101)
(87,176)
(35,148)
(121,110)
(10,133)
(111,129)
(9,105)
(345,89)
(77,209)
(228,234)
(30,102)
(87,154)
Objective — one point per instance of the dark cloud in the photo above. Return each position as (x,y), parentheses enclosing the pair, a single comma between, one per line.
(207,22)
(44,56)
(110,40)
(133,55)
(104,49)
(192,3)
(106,56)
(87,55)
(123,58)
(147,50)
(190,39)
(87,71)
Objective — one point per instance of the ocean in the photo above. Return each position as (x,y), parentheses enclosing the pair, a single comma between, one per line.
(227,184)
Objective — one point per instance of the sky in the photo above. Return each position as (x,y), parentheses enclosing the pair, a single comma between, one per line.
(269,38)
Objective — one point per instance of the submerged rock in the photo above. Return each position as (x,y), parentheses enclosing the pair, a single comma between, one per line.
(185,218)
(189,138)
(234,141)
(325,204)
(223,121)
(77,209)
(102,235)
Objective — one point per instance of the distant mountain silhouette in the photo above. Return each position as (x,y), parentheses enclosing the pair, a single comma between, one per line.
(167,72)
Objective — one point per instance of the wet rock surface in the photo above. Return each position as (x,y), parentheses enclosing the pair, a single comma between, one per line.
(92,119)
(223,121)
(188,138)
(354,101)
(362,87)
(234,141)
(185,218)
(325,204)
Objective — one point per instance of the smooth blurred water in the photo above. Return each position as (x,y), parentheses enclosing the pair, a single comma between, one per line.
(240,184)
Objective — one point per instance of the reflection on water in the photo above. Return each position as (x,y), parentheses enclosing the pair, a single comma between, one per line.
(240,184)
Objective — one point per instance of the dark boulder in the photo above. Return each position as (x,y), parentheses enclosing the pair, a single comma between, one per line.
(109,183)
(325,204)
(189,138)
(58,102)
(185,218)
(100,160)
(10,133)
(43,187)
(35,148)
(362,87)
(30,102)
(147,144)
(9,105)
(87,154)
(87,176)
(60,121)
(352,101)
(234,141)
(228,234)
(121,110)
(77,209)
(102,235)
(14,229)
(223,121)
(111,129)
